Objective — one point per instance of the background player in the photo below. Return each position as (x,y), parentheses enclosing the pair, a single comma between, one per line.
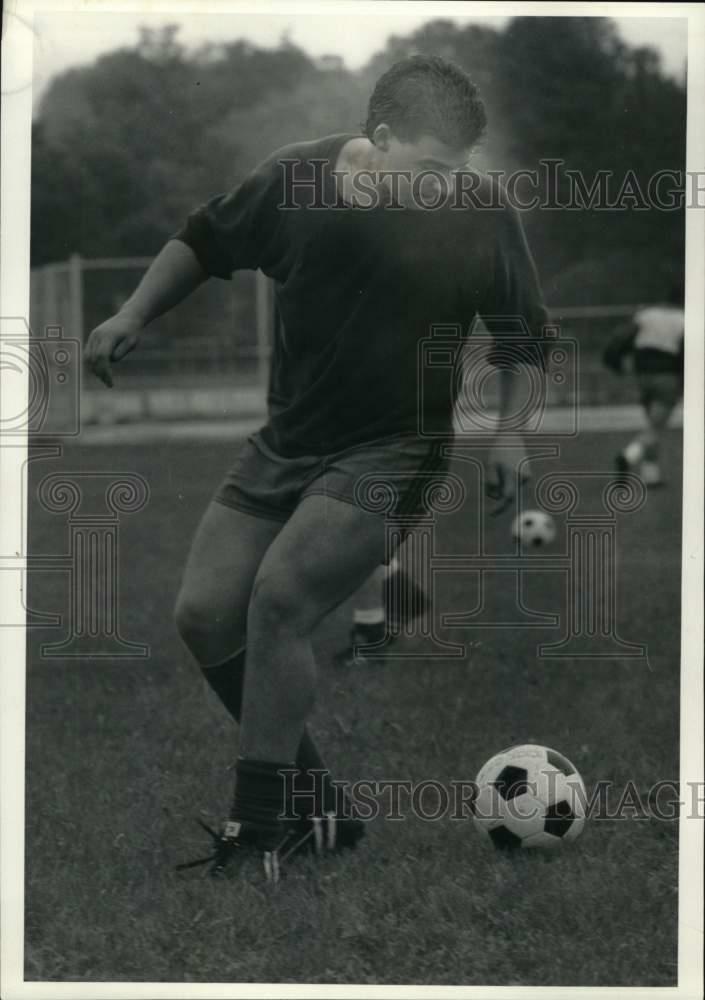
(651,346)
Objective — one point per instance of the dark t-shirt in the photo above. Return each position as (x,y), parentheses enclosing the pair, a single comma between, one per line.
(358,292)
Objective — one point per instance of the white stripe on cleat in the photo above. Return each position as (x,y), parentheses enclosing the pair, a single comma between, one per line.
(331,831)
(271,866)
(318,834)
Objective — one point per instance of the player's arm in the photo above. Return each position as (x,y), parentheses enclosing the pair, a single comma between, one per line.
(515,316)
(230,232)
(508,462)
(172,276)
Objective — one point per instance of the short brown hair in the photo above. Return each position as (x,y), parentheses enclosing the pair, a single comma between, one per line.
(427,95)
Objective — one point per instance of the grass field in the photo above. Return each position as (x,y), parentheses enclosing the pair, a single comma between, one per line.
(123,755)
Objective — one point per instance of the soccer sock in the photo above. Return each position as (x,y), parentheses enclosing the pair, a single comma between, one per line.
(369,616)
(364,633)
(634,452)
(226,679)
(392,566)
(651,448)
(260,793)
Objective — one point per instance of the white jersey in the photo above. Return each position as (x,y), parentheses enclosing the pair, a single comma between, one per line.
(659,328)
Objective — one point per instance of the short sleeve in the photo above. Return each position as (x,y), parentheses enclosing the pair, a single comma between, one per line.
(513,311)
(235,231)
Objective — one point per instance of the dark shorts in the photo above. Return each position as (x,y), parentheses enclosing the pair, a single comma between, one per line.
(388,476)
(659,387)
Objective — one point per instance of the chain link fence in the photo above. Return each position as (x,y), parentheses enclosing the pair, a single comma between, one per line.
(209,357)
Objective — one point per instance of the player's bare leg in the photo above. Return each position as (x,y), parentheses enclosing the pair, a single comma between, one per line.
(386,602)
(324,554)
(658,414)
(211,616)
(660,392)
(369,616)
(211,609)
(642,454)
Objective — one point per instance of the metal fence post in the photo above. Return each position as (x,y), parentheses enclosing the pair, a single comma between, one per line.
(50,306)
(265,319)
(76,296)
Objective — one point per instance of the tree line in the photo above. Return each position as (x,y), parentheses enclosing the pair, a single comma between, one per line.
(125,147)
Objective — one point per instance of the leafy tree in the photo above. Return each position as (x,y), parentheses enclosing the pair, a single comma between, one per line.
(124,148)
(574,92)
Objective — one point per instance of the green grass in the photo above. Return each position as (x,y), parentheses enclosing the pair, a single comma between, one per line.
(122,755)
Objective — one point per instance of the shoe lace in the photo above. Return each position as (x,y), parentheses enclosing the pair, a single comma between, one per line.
(224,847)
(227,844)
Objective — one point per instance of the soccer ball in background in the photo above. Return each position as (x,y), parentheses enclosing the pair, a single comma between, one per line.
(529,796)
(534,528)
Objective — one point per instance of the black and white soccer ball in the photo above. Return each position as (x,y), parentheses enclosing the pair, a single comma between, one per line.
(534,528)
(529,796)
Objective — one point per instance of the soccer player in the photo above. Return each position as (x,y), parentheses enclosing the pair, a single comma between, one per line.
(653,340)
(363,269)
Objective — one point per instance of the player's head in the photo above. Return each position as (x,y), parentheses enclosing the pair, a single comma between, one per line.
(425,114)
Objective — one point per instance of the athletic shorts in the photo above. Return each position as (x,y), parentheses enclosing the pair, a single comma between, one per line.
(263,483)
(659,387)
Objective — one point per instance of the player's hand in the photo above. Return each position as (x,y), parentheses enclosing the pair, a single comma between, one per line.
(506,470)
(110,342)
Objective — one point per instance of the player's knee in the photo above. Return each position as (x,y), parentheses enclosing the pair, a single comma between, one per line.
(279,602)
(188,617)
(196,619)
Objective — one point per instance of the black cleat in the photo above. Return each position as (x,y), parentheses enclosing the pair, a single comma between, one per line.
(275,845)
(404,602)
(342,827)
(362,636)
(348,831)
